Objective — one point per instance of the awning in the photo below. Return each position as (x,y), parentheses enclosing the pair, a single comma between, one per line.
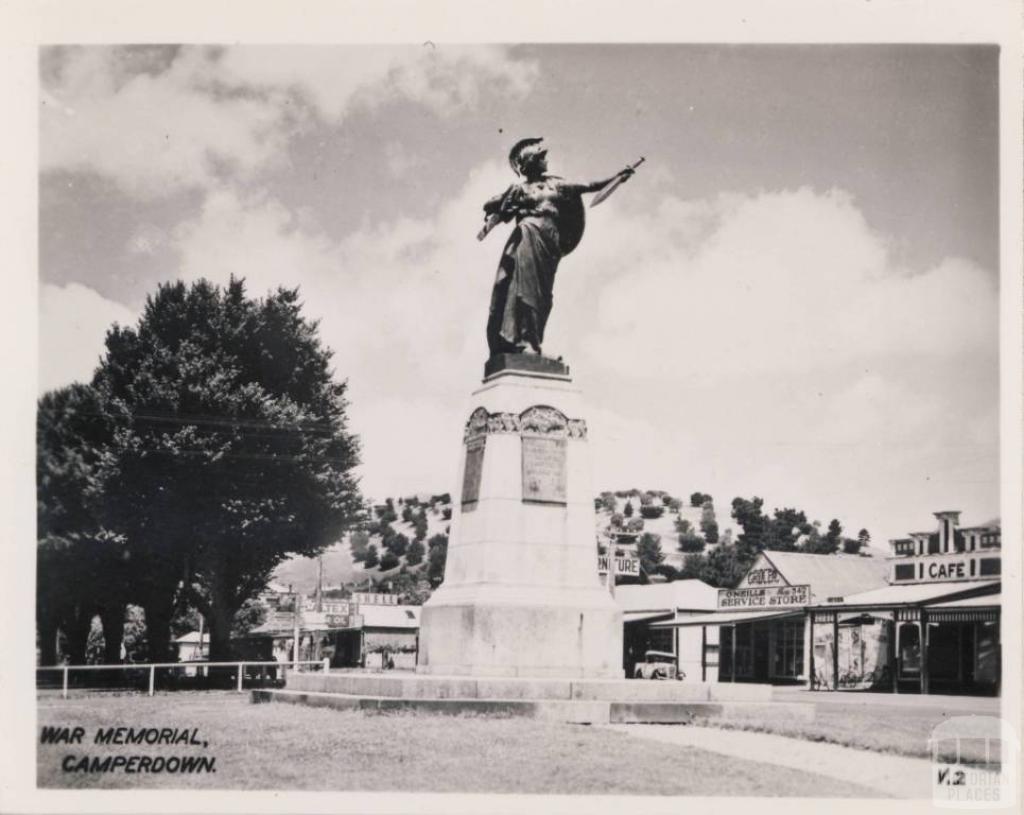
(730,618)
(913,594)
(971,602)
(972,610)
(638,616)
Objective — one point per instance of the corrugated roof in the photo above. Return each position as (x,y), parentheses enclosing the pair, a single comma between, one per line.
(679,594)
(729,618)
(830,575)
(638,616)
(971,602)
(912,594)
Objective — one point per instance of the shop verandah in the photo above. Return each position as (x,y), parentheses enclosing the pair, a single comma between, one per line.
(907,639)
(947,644)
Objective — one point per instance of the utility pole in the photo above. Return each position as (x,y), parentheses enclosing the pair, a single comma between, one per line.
(295,628)
(320,584)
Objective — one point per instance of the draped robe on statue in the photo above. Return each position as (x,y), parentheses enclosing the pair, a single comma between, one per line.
(549,225)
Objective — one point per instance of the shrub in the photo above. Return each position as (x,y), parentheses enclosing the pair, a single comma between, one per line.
(414,554)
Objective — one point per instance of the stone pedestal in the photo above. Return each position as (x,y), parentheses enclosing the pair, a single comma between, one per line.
(521,595)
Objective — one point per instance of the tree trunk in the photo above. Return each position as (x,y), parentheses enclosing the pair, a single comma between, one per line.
(159,612)
(220,617)
(47,627)
(76,625)
(112,619)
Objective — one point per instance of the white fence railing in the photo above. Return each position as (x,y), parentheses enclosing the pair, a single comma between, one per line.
(152,667)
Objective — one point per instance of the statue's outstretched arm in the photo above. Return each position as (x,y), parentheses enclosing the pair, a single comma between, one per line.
(594,186)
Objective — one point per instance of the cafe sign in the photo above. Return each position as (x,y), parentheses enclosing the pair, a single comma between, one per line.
(768,598)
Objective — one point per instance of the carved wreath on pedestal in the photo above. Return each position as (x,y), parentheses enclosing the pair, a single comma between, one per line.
(539,420)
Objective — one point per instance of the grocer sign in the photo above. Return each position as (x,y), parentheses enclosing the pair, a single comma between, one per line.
(770,597)
(623,565)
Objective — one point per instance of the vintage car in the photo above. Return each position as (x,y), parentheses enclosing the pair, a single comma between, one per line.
(658,665)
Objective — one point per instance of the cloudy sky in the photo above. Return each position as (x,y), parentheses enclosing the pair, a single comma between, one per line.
(796,297)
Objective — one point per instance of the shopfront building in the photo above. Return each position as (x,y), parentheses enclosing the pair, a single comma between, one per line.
(924,620)
(759,630)
(934,629)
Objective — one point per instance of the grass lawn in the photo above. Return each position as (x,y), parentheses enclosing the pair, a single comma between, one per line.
(892,729)
(282,747)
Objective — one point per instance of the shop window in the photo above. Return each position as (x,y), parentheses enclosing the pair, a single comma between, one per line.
(736,640)
(910,651)
(788,658)
(989,566)
(660,639)
(944,651)
(904,571)
(986,655)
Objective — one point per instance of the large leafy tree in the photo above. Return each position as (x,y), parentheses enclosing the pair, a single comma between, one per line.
(648,550)
(753,521)
(82,567)
(723,566)
(230,451)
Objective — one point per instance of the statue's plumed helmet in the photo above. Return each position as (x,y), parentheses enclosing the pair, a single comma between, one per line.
(523,151)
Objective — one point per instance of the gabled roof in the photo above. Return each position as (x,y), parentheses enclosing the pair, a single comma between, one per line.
(693,595)
(830,575)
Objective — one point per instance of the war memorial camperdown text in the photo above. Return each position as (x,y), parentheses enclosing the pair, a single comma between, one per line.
(131,764)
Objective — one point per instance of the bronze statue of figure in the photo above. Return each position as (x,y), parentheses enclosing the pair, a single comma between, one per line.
(548,211)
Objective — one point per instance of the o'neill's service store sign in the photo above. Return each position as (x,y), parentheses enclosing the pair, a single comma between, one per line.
(766,597)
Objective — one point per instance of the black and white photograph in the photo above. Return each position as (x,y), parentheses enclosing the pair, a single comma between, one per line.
(519,419)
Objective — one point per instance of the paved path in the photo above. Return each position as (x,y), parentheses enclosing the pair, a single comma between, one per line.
(890,775)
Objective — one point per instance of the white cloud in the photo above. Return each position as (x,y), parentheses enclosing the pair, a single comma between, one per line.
(722,347)
(210,114)
(444,78)
(73,322)
(785,281)
(155,133)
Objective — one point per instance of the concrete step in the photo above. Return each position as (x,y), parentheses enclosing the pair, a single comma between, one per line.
(413,686)
(579,711)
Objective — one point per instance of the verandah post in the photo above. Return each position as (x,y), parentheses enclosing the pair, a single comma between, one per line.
(835,650)
(810,657)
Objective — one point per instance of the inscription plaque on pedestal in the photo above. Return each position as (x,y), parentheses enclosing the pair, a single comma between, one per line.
(473,472)
(544,472)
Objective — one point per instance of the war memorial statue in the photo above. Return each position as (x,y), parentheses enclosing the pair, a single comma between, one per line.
(549,216)
(521,595)
(522,623)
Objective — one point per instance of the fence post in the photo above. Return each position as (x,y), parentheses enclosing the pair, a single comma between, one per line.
(65,692)
(152,677)
(327,665)
(240,664)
